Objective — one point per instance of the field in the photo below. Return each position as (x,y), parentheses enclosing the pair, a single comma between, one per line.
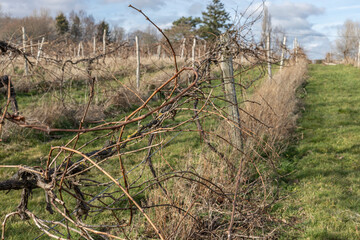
(171,159)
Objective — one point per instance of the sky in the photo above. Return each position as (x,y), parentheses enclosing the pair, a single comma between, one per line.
(314,23)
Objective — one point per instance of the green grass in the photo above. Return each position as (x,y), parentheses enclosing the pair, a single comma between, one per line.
(324,190)
(30,147)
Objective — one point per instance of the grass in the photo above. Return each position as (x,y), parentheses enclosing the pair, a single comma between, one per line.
(31,148)
(325,193)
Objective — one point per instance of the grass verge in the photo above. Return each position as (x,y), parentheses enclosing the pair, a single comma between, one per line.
(325,186)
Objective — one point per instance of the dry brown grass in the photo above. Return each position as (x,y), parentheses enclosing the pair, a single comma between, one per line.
(276,106)
(206,193)
(275,102)
(115,88)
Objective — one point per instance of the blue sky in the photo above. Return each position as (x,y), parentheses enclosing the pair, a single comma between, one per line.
(314,23)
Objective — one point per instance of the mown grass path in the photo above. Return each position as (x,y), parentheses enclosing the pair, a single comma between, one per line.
(325,188)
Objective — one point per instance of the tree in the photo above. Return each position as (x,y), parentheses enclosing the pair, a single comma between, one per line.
(117,34)
(147,37)
(36,25)
(189,21)
(266,26)
(214,20)
(348,41)
(75,31)
(89,25)
(62,24)
(184,27)
(100,30)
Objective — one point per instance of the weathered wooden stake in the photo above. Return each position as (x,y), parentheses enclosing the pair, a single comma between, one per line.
(295,49)
(31,47)
(159,51)
(227,69)
(268,53)
(193,53)
(24,50)
(39,51)
(79,49)
(104,42)
(138,63)
(283,47)
(82,49)
(358,60)
(94,45)
(183,49)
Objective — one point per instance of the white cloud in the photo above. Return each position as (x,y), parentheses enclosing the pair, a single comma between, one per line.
(288,10)
(21,8)
(141,4)
(196,8)
(348,7)
(293,17)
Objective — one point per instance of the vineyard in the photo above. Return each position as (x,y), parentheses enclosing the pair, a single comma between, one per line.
(177,140)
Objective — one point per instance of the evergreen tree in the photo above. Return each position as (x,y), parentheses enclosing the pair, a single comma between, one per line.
(184,27)
(214,20)
(189,21)
(62,24)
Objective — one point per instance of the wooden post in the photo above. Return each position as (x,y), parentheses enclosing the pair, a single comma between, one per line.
(193,53)
(358,60)
(86,92)
(227,69)
(24,50)
(94,45)
(159,51)
(82,49)
(295,49)
(104,42)
(283,47)
(39,51)
(138,63)
(268,53)
(183,48)
(31,47)
(79,49)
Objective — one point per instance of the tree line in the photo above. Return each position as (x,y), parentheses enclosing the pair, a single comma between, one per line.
(81,26)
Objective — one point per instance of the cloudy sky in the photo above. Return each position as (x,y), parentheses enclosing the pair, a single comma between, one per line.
(313,23)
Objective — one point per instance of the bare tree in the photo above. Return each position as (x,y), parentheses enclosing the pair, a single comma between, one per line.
(266,25)
(117,34)
(88,25)
(347,43)
(38,24)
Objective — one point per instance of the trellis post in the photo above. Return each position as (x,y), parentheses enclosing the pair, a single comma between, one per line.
(283,47)
(183,49)
(227,69)
(138,63)
(24,50)
(39,51)
(268,53)
(193,52)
